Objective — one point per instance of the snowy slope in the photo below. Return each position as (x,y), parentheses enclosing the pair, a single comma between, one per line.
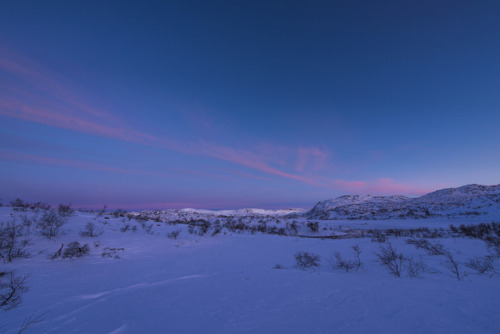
(227,284)
(470,200)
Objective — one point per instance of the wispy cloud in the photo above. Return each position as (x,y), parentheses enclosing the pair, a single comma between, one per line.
(56,162)
(44,97)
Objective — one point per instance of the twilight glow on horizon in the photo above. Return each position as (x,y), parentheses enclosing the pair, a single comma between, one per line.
(230,104)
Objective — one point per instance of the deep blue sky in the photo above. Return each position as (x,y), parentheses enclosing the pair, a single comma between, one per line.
(246,103)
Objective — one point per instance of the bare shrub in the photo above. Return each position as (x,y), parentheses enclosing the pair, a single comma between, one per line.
(102,212)
(37,206)
(482,265)
(432,248)
(91,231)
(148,228)
(391,259)
(119,213)
(11,289)
(174,234)
(453,266)
(293,227)
(65,210)
(74,249)
(341,263)
(19,205)
(313,226)
(11,246)
(493,243)
(217,230)
(415,268)
(278,266)
(28,221)
(126,227)
(347,264)
(305,260)
(377,236)
(50,224)
(30,321)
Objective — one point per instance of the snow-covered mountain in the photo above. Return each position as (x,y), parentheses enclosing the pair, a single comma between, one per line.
(189,213)
(469,200)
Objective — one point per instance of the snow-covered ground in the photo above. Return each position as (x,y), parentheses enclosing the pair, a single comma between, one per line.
(227,283)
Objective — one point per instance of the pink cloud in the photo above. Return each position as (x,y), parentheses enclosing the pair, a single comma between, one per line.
(47,82)
(36,159)
(312,158)
(246,158)
(381,186)
(65,109)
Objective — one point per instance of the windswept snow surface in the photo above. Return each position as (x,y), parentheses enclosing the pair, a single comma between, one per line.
(226,283)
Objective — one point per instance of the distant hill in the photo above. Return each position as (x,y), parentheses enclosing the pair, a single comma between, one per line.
(469,200)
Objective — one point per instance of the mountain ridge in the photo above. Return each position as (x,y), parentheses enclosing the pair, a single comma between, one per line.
(467,200)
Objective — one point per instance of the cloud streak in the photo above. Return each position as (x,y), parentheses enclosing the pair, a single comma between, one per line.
(50,102)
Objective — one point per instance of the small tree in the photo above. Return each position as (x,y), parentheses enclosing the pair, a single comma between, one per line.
(482,265)
(11,289)
(453,266)
(10,245)
(50,224)
(90,231)
(65,210)
(347,264)
(391,259)
(415,268)
(19,205)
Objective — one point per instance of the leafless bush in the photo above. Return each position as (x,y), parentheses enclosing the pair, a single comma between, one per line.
(391,259)
(415,268)
(377,236)
(30,321)
(305,260)
(453,266)
(293,227)
(341,263)
(347,264)
(11,289)
(174,234)
(119,213)
(482,265)
(50,224)
(126,227)
(436,248)
(74,249)
(91,231)
(19,205)
(28,221)
(11,246)
(493,243)
(278,266)
(65,210)
(432,248)
(313,226)
(102,212)
(141,218)
(37,206)
(148,228)
(217,230)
